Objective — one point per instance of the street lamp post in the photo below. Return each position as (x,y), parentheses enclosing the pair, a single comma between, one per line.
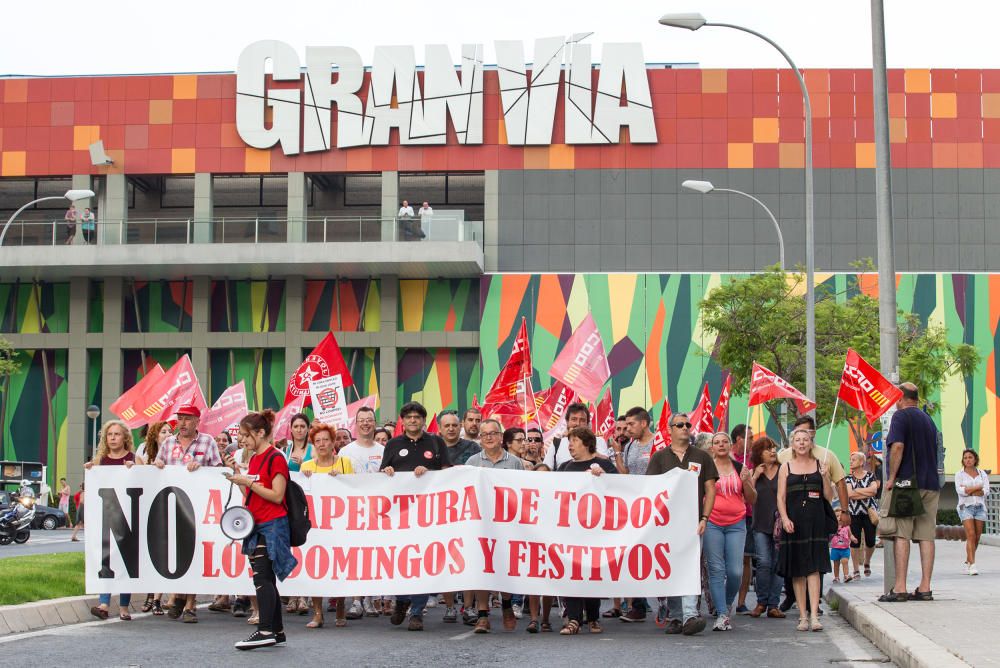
(696,21)
(93,412)
(71,195)
(705,187)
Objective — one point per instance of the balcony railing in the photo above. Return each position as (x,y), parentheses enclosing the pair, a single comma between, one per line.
(324,229)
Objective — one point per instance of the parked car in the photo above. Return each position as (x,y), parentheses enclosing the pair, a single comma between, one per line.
(46,517)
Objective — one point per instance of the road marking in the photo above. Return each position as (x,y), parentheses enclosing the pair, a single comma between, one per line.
(462,636)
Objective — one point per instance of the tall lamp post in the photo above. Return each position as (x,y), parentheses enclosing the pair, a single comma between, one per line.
(694,22)
(71,195)
(93,412)
(706,187)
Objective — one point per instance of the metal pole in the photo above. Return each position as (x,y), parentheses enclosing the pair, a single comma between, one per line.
(888,344)
(810,241)
(3,232)
(781,239)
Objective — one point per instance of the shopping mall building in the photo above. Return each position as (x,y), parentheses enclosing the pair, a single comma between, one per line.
(239,217)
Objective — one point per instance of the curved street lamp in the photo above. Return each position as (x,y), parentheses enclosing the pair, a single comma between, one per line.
(71,195)
(695,21)
(706,187)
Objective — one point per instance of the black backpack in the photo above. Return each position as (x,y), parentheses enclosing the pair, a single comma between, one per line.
(299,523)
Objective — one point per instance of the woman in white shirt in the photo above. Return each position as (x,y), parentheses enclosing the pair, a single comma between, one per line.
(973,486)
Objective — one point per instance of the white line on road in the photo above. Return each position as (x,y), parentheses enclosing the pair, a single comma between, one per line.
(462,636)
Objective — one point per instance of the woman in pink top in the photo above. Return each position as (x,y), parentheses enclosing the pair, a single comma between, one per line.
(726,530)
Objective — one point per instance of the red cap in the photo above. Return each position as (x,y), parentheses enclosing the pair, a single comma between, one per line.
(189,409)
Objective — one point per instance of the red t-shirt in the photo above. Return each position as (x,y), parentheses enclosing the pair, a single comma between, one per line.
(261,509)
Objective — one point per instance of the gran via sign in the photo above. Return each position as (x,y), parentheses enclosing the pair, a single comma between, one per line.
(301,101)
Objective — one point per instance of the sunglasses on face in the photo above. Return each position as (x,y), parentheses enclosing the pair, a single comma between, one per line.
(681,425)
(534,439)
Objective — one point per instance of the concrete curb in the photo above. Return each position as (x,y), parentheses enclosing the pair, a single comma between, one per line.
(904,645)
(43,614)
(990,539)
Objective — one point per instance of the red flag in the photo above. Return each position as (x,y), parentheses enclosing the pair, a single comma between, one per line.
(324,361)
(766,385)
(475,401)
(701,416)
(722,408)
(518,366)
(371,401)
(864,388)
(179,385)
(398,431)
(507,413)
(228,408)
(128,407)
(551,405)
(282,429)
(662,436)
(432,426)
(604,417)
(660,441)
(582,364)
(664,421)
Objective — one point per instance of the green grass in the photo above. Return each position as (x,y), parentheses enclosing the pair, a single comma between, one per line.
(34,578)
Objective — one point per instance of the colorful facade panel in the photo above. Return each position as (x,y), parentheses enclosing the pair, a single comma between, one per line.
(439,378)
(657,347)
(157,306)
(181,124)
(248,306)
(33,407)
(262,370)
(439,305)
(34,307)
(342,305)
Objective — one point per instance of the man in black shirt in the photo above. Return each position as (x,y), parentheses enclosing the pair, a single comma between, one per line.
(680,454)
(419,452)
(913,454)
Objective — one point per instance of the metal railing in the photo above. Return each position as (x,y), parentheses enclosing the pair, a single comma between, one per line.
(319,229)
(992,512)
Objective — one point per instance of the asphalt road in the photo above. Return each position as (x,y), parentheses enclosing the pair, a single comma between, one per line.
(158,641)
(44,542)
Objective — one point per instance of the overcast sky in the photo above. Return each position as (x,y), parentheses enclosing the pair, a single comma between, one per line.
(111,36)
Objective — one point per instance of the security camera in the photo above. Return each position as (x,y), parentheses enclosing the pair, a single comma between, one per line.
(97,154)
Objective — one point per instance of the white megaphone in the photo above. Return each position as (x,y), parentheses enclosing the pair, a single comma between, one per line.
(236,522)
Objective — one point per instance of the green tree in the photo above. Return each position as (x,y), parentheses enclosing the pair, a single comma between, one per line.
(8,365)
(762,318)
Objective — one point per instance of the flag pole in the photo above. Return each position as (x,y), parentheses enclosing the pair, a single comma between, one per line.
(746,427)
(829,434)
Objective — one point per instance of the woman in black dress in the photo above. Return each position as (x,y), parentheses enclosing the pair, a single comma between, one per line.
(803,492)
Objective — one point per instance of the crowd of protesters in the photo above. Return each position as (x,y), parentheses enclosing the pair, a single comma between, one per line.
(781,518)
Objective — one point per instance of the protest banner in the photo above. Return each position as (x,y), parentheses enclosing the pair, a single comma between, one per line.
(565,534)
(329,403)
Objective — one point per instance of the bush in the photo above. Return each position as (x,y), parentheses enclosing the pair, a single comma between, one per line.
(948,517)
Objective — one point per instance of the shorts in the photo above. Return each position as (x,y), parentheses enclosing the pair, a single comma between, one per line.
(976,512)
(922,527)
(839,553)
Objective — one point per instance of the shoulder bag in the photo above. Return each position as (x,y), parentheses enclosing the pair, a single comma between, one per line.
(905,500)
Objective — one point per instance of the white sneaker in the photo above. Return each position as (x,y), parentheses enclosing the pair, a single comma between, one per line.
(355,611)
(518,613)
(369,608)
(973,570)
(965,567)
(722,623)
(432,602)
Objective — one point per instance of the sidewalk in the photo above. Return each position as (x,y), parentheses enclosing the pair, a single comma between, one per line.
(953,630)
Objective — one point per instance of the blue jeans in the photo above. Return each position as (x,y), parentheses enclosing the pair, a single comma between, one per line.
(123,600)
(417,603)
(688,607)
(768,585)
(724,555)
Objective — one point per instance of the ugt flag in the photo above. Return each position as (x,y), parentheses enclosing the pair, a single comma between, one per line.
(864,388)
(582,364)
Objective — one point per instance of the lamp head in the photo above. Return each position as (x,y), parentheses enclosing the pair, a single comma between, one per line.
(703,187)
(75,195)
(688,21)
(93,412)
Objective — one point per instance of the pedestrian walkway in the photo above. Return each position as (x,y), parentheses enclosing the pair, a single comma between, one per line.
(952,630)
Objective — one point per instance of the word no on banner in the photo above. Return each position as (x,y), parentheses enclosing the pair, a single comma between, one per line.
(560,534)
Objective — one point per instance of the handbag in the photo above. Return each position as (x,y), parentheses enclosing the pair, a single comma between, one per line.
(873,516)
(905,500)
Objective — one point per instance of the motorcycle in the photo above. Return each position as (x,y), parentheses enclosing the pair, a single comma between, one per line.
(15,522)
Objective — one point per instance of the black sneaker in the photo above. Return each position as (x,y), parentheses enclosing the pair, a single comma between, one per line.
(399,613)
(257,639)
(693,626)
(632,616)
(279,638)
(239,609)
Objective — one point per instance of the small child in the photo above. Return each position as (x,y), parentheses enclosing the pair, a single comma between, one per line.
(840,550)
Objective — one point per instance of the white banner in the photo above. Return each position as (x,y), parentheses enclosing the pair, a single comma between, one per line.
(565,534)
(328,400)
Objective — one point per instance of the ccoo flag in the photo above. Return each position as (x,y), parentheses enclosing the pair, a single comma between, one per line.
(722,408)
(125,405)
(505,386)
(863,387)
(582,365)
(701,416)
(230,407)
(766,385)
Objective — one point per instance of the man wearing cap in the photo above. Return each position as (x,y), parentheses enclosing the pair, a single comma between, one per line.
(190,449)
